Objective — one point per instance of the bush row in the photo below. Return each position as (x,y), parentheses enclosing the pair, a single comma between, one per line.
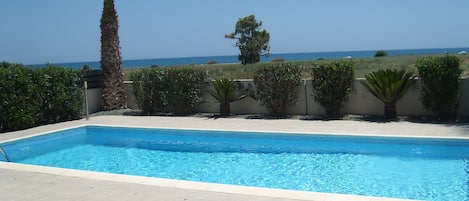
(33,97)
(333,83)
(179,90)
(52,94)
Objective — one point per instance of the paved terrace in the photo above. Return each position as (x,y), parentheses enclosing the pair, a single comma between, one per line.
(28,183)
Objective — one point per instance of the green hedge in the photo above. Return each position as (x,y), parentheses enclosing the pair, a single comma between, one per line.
(176,90)
(332,85)
(149,89)
(61,95)
(32,97)
(440,85)
(277,86)
(18,99)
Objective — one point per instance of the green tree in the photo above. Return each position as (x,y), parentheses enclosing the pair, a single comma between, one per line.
(389,86)
(381,53)
(114,94)
(252,42)
(224,92)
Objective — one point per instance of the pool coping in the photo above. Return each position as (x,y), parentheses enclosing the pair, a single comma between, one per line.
(180,184)
(253,131)
(191,185)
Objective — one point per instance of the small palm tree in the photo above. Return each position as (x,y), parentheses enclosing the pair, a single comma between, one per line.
(224,92)
(389,86)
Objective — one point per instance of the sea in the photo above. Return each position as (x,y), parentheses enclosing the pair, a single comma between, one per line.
(160,62)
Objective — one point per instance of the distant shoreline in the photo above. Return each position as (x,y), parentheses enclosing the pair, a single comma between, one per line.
(231,59)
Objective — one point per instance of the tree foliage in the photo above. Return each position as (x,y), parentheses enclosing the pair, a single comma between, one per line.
(33,97)
(440,84)
(389,86)
(177,90)
(277,86)
(114,93)
(332,84)
(5,64)
(252,42)
(381,53)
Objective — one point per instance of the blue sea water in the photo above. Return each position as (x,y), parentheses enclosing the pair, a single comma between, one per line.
(389,167)
(138,63)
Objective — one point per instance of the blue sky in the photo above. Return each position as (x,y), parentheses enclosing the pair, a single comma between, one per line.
(68,31)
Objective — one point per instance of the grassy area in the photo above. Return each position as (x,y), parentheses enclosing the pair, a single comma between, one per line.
(363,66)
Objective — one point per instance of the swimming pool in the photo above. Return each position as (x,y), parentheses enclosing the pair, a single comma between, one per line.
(429,169)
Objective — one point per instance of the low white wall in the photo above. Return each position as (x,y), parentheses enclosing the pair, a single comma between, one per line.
(94,100)
(364,103)
(131,102)
(361,102)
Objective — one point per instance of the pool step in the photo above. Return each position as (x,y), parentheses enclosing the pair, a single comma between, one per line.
(4,154)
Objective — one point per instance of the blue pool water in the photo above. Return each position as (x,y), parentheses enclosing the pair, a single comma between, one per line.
(426,169)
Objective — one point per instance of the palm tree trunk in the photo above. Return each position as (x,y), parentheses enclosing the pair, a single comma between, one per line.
(390,110)
(114,93)
(225,109)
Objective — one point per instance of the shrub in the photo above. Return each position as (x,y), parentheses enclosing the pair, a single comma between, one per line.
(184,88)
(32,97)
(278,60)
(149,89)
(86,67)
(19,102)
(389,86)
(168,89)
(333,84)
(277,86)
(212,62)
(5,64)
(381,53)
(60,92)
(440,84)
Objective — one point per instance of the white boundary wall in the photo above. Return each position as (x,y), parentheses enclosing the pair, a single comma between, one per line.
(94,99)
(361,102)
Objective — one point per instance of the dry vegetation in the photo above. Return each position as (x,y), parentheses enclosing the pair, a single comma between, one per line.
(363,66)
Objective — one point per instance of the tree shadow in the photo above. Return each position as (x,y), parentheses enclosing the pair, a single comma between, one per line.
(323,118)
(266,117)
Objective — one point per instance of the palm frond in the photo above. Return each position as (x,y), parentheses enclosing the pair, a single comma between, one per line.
(388,85)
(225,91)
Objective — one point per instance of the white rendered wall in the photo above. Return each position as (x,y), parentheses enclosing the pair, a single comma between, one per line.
(361,102)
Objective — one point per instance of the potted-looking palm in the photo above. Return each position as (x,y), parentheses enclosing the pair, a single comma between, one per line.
(224,92)
(389,86)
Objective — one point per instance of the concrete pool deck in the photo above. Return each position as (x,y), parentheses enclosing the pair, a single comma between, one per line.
(27,182)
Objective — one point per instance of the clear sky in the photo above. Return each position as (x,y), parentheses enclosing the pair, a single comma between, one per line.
(40,31)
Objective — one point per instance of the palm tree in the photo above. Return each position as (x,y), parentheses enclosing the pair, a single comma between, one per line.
(114,94)
(389,86)
(224,92)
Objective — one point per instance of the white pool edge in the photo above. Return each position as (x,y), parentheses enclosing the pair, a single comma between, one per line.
(250,131)
(191,185)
